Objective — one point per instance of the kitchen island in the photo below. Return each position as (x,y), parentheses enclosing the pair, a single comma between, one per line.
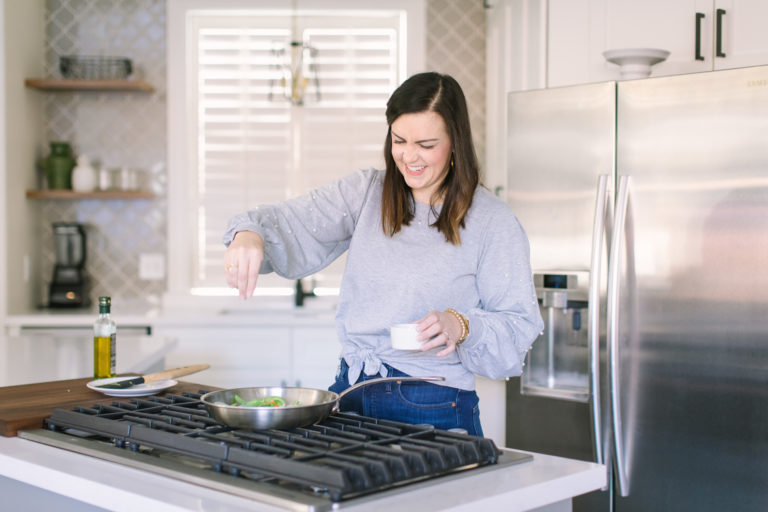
(235,337)
(40,477)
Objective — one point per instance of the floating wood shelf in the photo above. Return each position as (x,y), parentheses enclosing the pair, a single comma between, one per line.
(60,84)
(106,194)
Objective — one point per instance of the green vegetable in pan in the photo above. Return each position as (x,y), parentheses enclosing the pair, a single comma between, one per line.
(267,401)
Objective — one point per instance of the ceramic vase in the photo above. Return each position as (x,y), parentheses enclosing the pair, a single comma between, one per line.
(84,175)
(58,166)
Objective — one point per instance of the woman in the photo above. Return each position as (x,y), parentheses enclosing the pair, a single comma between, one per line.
(426,245)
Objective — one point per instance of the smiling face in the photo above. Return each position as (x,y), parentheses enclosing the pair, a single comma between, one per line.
(421,148)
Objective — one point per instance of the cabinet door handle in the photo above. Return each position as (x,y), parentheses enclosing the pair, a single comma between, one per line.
(699,16)
(719,36)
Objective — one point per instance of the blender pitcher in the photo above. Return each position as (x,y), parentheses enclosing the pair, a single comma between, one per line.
(69,241)
(68,287)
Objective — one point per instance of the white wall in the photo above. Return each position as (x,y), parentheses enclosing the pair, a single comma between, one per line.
(22,24)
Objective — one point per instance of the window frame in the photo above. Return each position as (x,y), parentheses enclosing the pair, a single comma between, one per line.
(181,110)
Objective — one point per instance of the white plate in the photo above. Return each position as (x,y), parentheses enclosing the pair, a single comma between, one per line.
(137,390)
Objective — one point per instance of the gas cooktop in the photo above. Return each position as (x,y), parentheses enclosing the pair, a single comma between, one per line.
(345,457)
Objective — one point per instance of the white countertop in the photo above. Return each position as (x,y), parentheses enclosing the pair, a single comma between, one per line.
(544,480)
(220,311)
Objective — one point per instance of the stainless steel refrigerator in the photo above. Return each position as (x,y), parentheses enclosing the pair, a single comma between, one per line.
(646,205)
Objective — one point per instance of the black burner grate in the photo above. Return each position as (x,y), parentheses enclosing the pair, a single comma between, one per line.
(344,456)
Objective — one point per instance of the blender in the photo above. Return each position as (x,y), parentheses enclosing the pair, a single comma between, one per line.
(69,283)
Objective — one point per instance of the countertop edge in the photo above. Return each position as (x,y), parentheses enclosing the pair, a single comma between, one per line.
(155,319)
(104,484)
(542,481)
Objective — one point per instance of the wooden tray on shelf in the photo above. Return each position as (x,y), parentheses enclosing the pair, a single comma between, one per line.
(105,194)
(61,84)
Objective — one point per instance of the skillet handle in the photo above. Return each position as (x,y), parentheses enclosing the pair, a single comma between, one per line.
(359,385)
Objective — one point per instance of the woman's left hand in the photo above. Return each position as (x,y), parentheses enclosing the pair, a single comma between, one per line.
(439,328)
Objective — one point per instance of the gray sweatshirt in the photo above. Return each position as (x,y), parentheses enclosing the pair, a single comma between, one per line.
(389,280)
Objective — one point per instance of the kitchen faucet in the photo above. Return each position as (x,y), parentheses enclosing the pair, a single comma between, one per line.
(301,294)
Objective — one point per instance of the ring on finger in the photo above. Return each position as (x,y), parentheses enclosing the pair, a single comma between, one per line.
(230,266)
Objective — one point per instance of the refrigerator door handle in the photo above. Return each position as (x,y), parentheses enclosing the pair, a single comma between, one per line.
(614,274)
(593,322)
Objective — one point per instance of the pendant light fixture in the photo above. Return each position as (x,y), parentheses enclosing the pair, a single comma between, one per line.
(296,66)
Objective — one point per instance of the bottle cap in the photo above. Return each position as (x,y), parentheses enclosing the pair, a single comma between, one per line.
(104,303)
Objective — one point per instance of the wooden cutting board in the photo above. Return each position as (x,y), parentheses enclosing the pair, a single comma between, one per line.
(26,406)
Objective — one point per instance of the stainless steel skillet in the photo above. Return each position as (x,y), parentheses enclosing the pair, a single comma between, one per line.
(314,404)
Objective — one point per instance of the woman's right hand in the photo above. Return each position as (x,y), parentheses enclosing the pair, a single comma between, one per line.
(242,262)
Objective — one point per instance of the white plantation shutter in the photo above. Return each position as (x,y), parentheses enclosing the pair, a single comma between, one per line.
(358,70)
(249,150)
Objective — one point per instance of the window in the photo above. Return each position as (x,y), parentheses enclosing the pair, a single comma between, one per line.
(233,147)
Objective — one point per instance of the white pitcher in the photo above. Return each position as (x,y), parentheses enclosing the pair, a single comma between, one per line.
(83,175)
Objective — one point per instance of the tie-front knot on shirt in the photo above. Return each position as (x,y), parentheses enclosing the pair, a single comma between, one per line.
(364,360)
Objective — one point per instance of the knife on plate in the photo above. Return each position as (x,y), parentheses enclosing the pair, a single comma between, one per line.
(155,377)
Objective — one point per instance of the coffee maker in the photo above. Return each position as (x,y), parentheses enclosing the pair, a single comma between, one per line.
(69,284)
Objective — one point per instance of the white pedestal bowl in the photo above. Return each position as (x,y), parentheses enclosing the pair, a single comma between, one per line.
(635,62)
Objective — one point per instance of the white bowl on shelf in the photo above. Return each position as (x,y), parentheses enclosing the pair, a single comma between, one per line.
(635,62)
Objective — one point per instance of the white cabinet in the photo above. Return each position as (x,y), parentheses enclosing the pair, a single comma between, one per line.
(744,37)
(516,47)
(668,25)
(40,354)
(316,352)
(575,42)
(257,355)
(239,356)
(493,408)
(701,35)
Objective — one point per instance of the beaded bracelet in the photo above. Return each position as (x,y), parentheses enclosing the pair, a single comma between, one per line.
(464,325)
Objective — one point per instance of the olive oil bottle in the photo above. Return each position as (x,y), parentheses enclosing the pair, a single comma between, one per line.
(104,341)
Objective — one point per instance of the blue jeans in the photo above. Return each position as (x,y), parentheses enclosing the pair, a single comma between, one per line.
(410,402)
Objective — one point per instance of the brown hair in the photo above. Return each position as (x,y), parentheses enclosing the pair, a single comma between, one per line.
(432,92)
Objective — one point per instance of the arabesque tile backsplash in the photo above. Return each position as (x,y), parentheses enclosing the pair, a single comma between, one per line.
(115,129)
(128,129)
